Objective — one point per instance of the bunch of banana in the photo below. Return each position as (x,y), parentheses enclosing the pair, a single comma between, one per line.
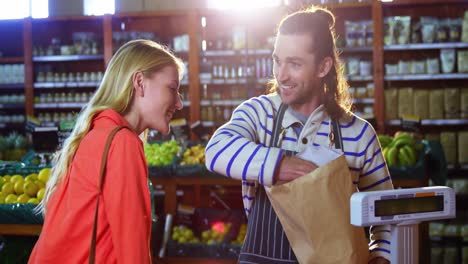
(402,150)
(193,155)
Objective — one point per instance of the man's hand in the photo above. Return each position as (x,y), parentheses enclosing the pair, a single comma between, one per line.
(291,168)
(379,260)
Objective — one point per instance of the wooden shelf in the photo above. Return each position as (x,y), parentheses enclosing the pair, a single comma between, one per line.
(12,86)
(363,100)
(67,58)
(12,106)
(427,77)
(181,260)
(358,78)
(421,2)
(11,60)
(348,5)
(59,105)
(355,49)
(45,85)
(426,46)
(15,126)
(189,181)
(433,122)
(241,52)
(20,230)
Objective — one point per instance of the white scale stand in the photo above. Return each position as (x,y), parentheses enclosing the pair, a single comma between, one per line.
(403,209)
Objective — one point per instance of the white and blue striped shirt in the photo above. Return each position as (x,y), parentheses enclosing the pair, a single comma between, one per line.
(239,149)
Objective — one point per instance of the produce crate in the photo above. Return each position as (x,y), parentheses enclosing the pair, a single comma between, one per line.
(431,164)
(19,214)
(161,171)
(190,170)
(201,250)
(12,168)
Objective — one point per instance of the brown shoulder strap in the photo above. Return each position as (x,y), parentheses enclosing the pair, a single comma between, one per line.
(92,251)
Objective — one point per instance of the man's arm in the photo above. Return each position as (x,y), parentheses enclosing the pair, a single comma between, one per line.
(374,176)
(236,148)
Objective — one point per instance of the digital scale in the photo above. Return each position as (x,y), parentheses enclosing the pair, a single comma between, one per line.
(403,209)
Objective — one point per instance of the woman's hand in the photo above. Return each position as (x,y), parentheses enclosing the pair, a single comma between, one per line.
(379,260)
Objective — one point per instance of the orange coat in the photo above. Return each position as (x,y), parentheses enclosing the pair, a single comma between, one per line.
(124,217)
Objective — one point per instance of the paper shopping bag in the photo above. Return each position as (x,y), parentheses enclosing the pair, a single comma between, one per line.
(315,213)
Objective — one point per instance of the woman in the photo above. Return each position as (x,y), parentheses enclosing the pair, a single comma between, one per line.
(140,90)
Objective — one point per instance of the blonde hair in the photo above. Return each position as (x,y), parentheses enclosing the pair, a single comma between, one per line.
(319,23)
(115,93)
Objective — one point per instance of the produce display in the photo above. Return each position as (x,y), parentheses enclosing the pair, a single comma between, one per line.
(401,150)
(161,154)
(194,155)
(215,235)
(13,146)
(23,189)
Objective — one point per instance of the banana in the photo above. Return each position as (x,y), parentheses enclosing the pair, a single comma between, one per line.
(411,153)
(392,157)
(401,141)
(384,140)
(403,157)
(385,153)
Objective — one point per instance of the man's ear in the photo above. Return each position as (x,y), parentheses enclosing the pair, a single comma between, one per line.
(137,80)
(324,67)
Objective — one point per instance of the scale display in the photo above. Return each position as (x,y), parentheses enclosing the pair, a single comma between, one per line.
(409,205)
(396,206)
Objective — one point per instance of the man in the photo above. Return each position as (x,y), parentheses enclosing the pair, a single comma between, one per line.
(309,80)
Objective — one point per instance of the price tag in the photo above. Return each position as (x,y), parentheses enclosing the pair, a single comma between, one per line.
(411,123)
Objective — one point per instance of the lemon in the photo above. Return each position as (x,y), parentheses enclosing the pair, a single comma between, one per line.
(39,184)
(11,198)
(17,178)
(2,181)
(8,188)
(33,201)
(2,198)
(40,194)
(7,178)
(30,188)
(18,187)
(44,175)
(31,177)
(23,198)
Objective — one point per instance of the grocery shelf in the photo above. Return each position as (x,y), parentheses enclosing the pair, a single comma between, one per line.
(228,53)
(12,106)
(433,122)
(11,60)
(457,168)
(11,85)
(355,49)
(363,100)
(65,84)
(20,230)
(348,5)
(18,126)
(423,46)
(427,77)
(221,102)
(232,81)
(208,123)
(188,260)
(358,78)
(67,58)
(59,105)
